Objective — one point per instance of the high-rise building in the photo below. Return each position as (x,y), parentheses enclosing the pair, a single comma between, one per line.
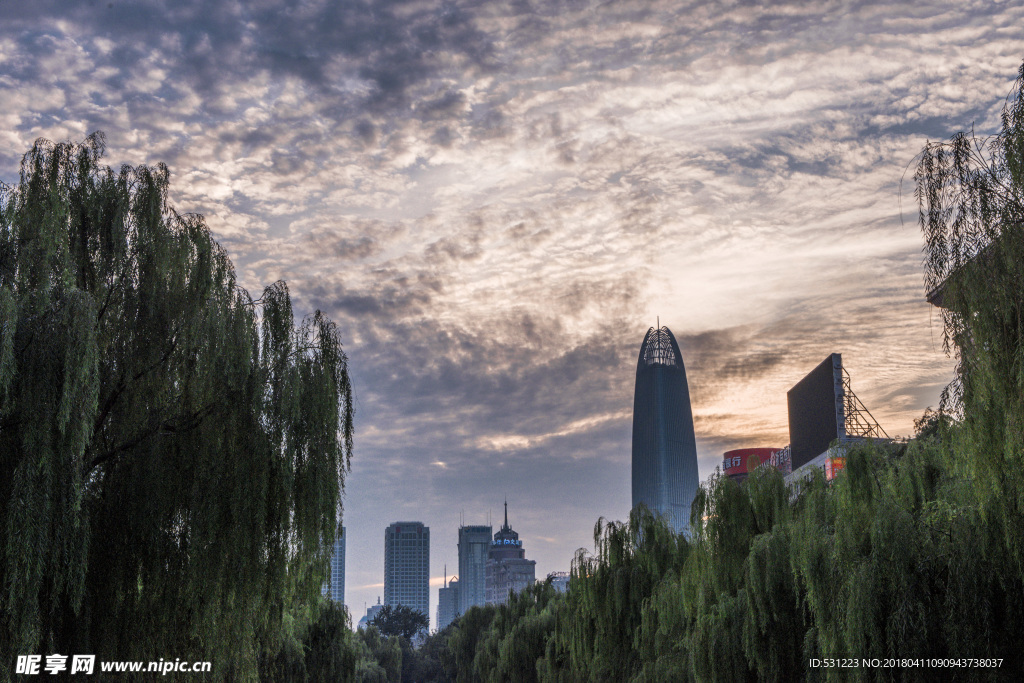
(334,587)
(447,602)
(407,566)
(507,566)
(371,612)
(474,546)
(664,446)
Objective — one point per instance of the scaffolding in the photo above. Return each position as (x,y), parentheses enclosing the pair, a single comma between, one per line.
(859,422)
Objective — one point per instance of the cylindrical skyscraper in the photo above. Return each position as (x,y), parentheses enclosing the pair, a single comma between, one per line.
(664,446)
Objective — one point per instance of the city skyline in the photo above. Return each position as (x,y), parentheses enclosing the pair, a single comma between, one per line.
(494,202)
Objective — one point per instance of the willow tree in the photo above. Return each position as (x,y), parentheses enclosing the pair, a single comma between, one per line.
(172,451)
(517,638)
(596,634)
(971,197)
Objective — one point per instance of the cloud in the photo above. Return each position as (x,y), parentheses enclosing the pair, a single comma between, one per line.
(495,200)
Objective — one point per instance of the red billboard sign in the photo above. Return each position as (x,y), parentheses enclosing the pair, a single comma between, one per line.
(833,466)
(741,461)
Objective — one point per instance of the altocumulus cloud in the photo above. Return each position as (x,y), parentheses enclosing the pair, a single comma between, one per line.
(495,200)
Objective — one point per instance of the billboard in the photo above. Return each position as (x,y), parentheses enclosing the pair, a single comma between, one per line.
(816,413)
(740,462)
(833,466)
(782,460)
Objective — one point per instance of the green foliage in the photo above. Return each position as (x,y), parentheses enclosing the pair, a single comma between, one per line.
(517,637)
(507,642)
(431,662)
(523,626)
(172,452)
(378,659)
(399,620)
(603,611)
(971,196)
(934,424)
(467,634)
(892,559)
(329,653)
(317,645)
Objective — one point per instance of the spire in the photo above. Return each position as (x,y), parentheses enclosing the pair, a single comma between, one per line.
(505,535)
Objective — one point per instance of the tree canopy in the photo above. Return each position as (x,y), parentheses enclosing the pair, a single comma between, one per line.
(971,195)
(400,620)
(172,451)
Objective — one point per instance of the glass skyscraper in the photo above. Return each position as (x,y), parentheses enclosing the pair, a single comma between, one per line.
(407,566)
(664,447)
(447,602)
(474,547)
(334,587)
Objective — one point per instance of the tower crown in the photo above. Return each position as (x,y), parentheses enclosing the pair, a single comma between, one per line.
(659,348)
(506,535)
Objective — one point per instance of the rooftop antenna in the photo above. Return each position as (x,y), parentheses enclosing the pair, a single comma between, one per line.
(659,322)
(506,512)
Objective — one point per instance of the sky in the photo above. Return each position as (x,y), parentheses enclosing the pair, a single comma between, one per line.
(495,200)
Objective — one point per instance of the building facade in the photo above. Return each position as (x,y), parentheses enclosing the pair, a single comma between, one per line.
(334,587)
(507,566)
(371,612)
(407,566)
(447,602)
(664,446)
(474,549)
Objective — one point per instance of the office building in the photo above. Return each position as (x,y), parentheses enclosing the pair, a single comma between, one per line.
(371,612)
(474,549)
(407,566)
(507,567)
(447,602)
(334,587)
(664,446)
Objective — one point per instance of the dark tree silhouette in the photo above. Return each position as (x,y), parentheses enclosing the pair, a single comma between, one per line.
(399,620)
